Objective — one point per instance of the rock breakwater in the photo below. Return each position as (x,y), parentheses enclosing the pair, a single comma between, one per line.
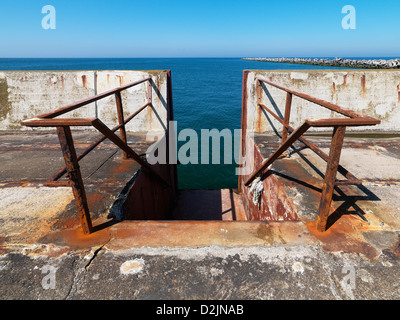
(337,62)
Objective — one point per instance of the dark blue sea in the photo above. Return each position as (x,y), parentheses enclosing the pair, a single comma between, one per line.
(206,95)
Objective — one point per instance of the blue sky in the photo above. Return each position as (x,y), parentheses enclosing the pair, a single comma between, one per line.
(202,28)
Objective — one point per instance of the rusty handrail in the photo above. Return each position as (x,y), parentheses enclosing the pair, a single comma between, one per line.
(312,146)
(339,125)
(60,173)
(63,126)
(89,100)
(322,103)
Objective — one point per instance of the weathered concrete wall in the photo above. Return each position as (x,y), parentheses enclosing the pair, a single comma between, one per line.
(26,94)
(375,93)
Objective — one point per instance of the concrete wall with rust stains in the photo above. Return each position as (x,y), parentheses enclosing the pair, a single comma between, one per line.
(25,94)
(375,93)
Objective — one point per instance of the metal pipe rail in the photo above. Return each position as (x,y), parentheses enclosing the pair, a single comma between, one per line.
(67,144)
(339,129)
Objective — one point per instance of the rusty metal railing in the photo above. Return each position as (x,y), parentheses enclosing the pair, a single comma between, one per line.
(71,167)
(339,128)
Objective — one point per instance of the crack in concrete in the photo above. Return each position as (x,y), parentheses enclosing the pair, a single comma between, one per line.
(81,273)
(95,253)
(74,281)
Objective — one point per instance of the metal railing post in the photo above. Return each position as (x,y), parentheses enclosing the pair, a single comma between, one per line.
(286,117)
(120,111)
(149,92)
(75,177)
(330,177)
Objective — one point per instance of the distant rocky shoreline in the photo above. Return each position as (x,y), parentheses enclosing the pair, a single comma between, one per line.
(337,62)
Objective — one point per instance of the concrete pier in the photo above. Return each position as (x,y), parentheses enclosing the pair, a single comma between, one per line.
(180,259)
(213,244)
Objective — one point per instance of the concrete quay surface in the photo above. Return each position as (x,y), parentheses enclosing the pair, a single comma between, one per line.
(45,255)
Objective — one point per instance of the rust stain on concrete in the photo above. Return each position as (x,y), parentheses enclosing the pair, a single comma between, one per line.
(76,239)
(398,92)
(265,232)
(129,234)
(258,120)
(333,90)
(124,166)
(149,116)
(363,83)
(343,237)
(121,80)
(84,81)
(94,198)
